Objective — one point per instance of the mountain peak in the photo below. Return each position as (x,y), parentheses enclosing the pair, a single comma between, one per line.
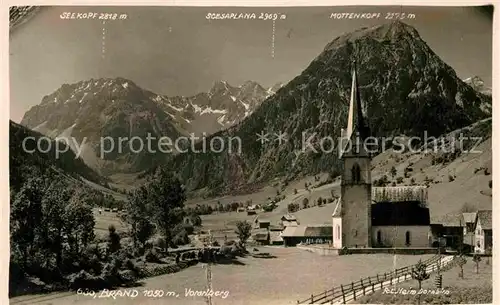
(390,31)
(220,85)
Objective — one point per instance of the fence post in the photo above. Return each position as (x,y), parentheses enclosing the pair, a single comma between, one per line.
(312,299)
(363,287)
(353,291)
(343,295)
(377,278)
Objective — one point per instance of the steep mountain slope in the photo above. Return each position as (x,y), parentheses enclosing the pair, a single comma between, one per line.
(90,111)
(455,176)
(26,159)
(405,86)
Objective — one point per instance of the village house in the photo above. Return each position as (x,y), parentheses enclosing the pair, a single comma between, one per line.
(356,221)
(483,232)
(263,223)
(275,236)
(307,234)
(450,230)
(289,220)
(469,220)
(261,236)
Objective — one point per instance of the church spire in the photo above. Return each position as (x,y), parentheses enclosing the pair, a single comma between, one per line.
(355,121)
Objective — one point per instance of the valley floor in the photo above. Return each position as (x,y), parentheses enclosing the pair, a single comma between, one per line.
(292,275)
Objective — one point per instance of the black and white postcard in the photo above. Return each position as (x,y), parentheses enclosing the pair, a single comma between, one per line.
(250,154)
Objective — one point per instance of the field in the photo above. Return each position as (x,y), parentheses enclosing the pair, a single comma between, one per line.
(104,220)
(294,274)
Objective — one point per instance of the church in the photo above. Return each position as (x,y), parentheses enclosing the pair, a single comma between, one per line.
(374,217)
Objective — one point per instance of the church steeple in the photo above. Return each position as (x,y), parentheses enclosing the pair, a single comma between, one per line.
(356,122)
(357,130)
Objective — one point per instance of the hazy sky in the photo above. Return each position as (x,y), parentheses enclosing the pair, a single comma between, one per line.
(177,51)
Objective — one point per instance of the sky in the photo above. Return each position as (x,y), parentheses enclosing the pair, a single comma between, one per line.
(178,51)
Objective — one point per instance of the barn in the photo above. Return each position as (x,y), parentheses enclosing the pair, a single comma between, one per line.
(307,234)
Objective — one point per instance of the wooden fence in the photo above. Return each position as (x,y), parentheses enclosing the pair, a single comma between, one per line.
(345,293)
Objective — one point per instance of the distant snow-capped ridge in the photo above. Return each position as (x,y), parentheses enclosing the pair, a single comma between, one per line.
(218,108)
(97,108)
(478,84)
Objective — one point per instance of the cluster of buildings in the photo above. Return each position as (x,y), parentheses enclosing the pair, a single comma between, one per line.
(289,232)
(469,232)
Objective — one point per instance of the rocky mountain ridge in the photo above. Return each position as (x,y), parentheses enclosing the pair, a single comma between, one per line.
(405,87)
(118,108)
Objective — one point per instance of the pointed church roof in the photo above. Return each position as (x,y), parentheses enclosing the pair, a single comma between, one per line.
(356,121)
(356,125)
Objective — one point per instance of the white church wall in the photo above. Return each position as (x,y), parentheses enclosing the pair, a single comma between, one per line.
(356,216)
(395,236)
(337,232)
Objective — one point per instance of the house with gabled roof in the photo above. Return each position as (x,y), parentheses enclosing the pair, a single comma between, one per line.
(483,228)
(307,234)
(289,220)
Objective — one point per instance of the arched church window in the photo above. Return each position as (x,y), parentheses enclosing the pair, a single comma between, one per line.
(408,238)
(379,238)
(356,173)
(338,232)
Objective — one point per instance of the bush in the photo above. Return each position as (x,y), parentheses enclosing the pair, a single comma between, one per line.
(127,276)
(293,207)
(181,238)
(196,219)
(151,256)
(450,178)
(383,181)
(130,265)
(344,251)
(393,172)
(399,180)
(305,203)
(84,280)
(113,240)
